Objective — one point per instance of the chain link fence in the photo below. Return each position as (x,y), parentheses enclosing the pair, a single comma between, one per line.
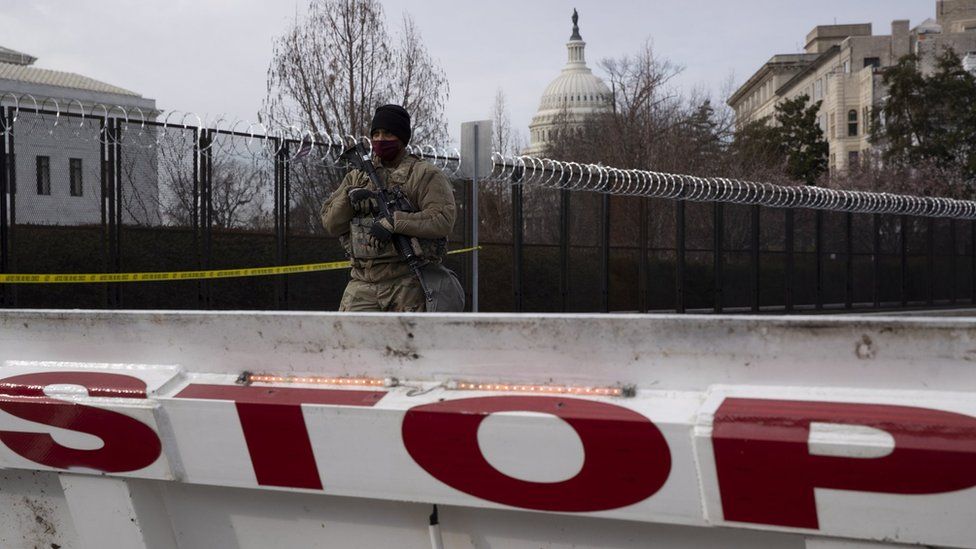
(104,194)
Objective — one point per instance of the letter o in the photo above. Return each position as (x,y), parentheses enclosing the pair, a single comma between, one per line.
(626,459)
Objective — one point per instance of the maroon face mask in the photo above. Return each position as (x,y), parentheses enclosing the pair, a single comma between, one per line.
(386,150)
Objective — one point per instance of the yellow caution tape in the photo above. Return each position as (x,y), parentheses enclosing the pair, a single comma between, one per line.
(181,275)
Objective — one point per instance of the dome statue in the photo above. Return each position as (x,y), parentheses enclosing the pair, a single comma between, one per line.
(575,93)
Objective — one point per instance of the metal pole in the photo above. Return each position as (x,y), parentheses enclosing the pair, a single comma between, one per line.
(12,188)
(930,260)
(285,218)
(643,267)
(849,276)
(789,224)
(876,261)
(904,259)
(105,222)
(111,205)
(116,143)
(4,251)
(279,294)
(718,224)
(518,224)
(754,248)
(972,261)
(564,197)
(605,253)
(954,259)
(474,221)
(818,250)
(206,213)
(679,251)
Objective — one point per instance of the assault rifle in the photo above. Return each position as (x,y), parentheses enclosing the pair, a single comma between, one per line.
(387,203)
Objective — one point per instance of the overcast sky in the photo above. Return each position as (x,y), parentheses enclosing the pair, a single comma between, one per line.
(211,56)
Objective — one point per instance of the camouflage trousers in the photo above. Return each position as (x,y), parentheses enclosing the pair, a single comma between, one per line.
(400,295)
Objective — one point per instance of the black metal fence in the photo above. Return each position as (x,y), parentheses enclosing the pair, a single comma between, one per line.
(102,194)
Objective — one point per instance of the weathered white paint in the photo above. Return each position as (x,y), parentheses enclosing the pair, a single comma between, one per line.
(682,366)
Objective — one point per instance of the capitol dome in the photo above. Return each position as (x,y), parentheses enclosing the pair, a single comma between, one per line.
(575,93)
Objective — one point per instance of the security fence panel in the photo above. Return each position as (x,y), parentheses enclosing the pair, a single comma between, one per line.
(541,257)
(583,278)
(627,243)
(662,257)
(312,179)
(56,194)
(153,215)
(244,219)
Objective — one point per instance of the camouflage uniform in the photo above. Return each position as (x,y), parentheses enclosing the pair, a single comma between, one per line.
(381,281)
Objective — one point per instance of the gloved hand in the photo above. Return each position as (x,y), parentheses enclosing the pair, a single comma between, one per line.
(381,232)
(363,201)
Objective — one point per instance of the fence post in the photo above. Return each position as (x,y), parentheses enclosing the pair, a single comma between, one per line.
(518,240)
(286,222)
(280,206)
(605,252)
(954,258)
(4,201)
(754,259)
(972,261)
(903,242)
(876,261)
(818,250)
(110,205)
(849,274)
(12,213)
(930,260)
(718,224)
(788,227)
(116,143)
(206,212)
(564,228)
(195,218)
(679,256)
(642,266)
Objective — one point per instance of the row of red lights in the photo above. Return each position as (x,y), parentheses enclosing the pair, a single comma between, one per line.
(457,386)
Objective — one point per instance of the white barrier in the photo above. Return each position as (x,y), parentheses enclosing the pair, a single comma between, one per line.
(787,430)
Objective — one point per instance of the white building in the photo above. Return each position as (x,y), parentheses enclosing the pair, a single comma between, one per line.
(842,67)
(573,95)
(58,158)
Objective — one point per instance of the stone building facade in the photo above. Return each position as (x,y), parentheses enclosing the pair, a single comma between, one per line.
(58,158)
(842,67)
(568,99)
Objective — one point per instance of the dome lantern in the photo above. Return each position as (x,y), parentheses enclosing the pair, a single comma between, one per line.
(573,95)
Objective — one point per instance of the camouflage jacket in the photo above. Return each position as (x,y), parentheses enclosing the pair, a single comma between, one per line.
(428,191)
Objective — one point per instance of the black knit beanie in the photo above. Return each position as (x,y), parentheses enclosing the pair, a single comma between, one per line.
(394,119)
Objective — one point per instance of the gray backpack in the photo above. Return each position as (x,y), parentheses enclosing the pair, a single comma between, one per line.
(446,289)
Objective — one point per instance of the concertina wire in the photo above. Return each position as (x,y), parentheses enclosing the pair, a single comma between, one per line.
(70,119)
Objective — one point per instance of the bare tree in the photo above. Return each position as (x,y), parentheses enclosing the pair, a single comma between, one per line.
(501,123)
(420,85)
(334,67)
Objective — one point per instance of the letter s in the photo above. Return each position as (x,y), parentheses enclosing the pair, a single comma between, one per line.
(129,444)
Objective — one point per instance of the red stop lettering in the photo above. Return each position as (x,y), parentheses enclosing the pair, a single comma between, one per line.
(129,445)
(274,427)
(626,457)
(767,475)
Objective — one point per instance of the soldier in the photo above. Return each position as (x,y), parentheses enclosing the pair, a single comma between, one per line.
(380,279)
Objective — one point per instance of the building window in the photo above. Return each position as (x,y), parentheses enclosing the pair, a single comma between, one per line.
(847,66)
(874,62)
(853,158)
(852,123)
(818,90)
(44,175)
(74,171)
(832,133)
